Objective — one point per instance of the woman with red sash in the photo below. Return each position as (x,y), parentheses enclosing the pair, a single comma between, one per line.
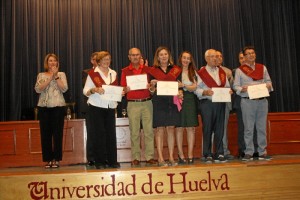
(102,112)
(165,113)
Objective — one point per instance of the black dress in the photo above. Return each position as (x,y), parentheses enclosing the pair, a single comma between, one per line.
(165,112)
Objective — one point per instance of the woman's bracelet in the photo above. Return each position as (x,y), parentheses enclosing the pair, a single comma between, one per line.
(151,90)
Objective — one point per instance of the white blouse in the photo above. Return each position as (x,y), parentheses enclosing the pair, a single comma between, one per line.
(96,99)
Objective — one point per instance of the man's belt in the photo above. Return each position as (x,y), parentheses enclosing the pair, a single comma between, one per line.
(254,99)
(138,100)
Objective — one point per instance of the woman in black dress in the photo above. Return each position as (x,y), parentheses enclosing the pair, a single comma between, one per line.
(165,113)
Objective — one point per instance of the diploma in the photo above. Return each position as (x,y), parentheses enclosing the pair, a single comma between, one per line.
(221,95)
(137,82)
(169,88)
(112,93)
(258,91)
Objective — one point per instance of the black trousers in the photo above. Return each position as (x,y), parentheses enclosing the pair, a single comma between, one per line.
(51,127)
(102,130)
(212,115)
(89,141)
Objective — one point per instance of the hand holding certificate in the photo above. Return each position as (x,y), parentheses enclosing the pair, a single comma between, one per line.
(221,95)
(258,91)
(137,82)
(112,93)
(168,88)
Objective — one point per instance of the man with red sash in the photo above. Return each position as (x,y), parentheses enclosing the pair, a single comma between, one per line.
(236,106)
(254,111)
(212,113)
(139,109)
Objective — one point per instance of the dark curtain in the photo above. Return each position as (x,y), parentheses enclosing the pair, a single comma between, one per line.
(73,29)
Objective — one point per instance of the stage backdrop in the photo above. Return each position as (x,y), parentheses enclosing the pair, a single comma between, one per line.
(73,29)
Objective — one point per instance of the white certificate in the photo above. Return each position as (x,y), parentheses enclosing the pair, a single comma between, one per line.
(169,88)
(112,93)
(221,95)
(137,82)
(258,91)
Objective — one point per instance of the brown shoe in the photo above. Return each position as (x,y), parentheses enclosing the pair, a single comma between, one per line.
(135,162)
(151,162)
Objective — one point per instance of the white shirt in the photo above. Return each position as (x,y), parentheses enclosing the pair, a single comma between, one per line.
(242,79)
(201,86)
(96,99)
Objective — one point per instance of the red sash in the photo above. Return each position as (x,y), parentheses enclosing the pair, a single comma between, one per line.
(161,76)
(256,74)
(209,81)
(97,79)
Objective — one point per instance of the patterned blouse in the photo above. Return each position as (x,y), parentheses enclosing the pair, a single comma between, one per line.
(52,95)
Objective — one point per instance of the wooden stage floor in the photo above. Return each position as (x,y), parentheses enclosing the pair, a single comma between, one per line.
(275,179)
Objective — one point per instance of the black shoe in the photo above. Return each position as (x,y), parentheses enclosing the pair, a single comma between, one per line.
(220,159)
(190,161)
(116,165)
(241,155)
(265,157)
(181,161)
(91,163)
(247,157)
(229,157)
(48,165)
(55,164)
(208,159)
(100,166)
(255,155)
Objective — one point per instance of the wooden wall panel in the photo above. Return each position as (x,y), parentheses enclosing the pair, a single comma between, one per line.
(233,134)
(284,131)
(8,142)
(20,141)
(69,140)
(34,141)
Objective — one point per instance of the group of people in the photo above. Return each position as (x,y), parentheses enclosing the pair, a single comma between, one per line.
(157,114)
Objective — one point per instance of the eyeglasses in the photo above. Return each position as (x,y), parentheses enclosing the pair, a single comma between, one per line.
(251,53)
(212,56)
(105,59)
(134,54)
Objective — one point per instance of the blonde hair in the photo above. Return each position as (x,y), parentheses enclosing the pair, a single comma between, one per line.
(101,55)
(46,67)
(156,62)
